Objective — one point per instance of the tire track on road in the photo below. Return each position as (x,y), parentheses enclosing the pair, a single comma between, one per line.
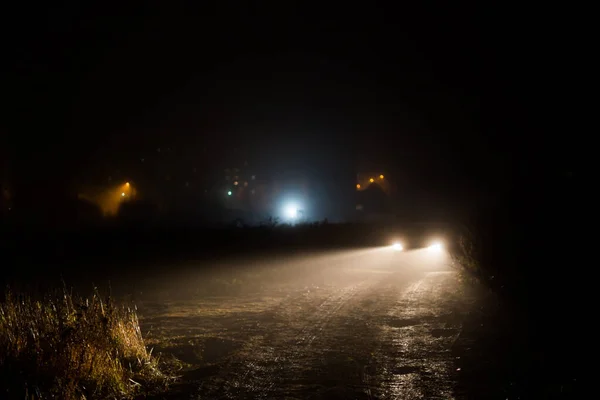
(414,359)
(270,363)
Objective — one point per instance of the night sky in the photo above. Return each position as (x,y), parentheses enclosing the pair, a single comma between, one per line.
(439,97)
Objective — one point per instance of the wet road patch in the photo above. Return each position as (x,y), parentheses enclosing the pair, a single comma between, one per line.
(444,333)
(403,322)
(405,370)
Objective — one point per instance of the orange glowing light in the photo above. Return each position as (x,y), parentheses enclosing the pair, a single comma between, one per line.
(358,185)
(371,180)
(380,176)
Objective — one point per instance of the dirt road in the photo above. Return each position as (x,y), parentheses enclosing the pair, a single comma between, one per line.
(363,324)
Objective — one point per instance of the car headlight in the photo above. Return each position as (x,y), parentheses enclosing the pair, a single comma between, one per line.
(435,247)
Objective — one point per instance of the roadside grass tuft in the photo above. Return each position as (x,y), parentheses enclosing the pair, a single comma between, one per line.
(62,346)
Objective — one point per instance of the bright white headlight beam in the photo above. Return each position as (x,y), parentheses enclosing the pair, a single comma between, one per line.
(435,247)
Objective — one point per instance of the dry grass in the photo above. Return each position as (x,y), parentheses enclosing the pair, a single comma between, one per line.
(73,348)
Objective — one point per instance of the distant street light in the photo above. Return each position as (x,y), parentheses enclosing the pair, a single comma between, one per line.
(291,212)
(380,176)
(229,193)
(371,180)
(358,185)
(123,194)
